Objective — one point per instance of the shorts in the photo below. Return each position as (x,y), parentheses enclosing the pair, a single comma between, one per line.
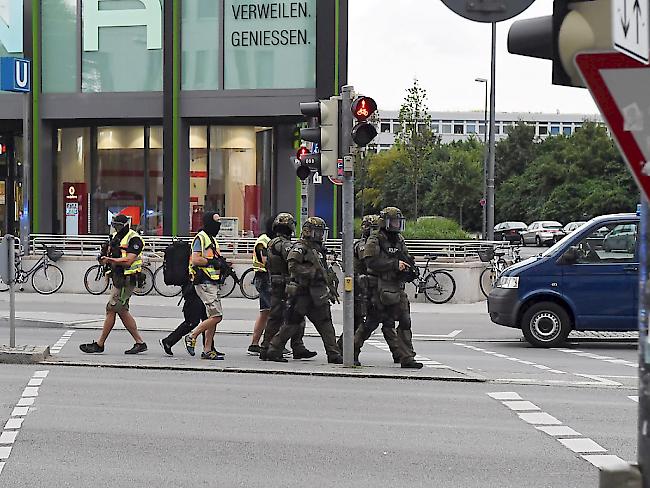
(263,287)
(210,295)
(119,299)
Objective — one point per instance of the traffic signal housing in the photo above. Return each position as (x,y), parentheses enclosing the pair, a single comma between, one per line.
(362,109)
(302,170)
(326,133)
(574,27)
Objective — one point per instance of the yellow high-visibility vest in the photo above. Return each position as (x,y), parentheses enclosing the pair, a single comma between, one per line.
(263,241)
(136,266)
(206,242)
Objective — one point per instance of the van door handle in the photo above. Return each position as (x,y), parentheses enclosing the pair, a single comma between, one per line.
(631,269)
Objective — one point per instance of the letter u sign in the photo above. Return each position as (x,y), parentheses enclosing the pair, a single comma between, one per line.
(15,74)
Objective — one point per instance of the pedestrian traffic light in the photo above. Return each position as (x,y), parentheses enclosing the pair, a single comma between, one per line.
(575,26)
(3,149)
(302,170)
(362,109)
(326,134)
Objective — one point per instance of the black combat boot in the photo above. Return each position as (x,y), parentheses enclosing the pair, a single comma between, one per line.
(335,360)
(263,352)
(275,356)
(411,363)
(304,354)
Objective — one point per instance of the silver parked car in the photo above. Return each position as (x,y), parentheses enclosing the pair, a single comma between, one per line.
(571,226)
(542,233)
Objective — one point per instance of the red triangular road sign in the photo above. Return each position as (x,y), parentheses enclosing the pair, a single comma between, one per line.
(621,88)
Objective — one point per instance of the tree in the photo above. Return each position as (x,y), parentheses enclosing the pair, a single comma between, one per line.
(514,153)
(415,137)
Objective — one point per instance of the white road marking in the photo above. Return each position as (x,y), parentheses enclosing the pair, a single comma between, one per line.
(521,405)
(8,437)
(509,358)
(451,335)
(428,363)
(30,391)
(589,355)
(14,424)
(56,347)
(35,382)
(550,425)
(599,379)
(634,398)
(505,395)
(556,430)
(25,402)
(40,374)
(4,452)
(2,465)
(582,445)
(18,411)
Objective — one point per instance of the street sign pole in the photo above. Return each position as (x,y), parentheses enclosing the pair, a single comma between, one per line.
(27,186)
(491,160)
(8,276)
(347,93)
(644,348)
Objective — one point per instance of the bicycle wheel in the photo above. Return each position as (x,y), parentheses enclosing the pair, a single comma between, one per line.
(162,288)
(247,284)
(439,287)
(95,281)
(47,279)
(229,284)
(487,281)
(3,286)
(147,286)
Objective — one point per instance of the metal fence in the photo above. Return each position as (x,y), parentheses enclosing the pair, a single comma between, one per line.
(89,245)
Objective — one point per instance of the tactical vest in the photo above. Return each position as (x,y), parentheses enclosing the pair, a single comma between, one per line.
(206,242)
(263,241)
(275,261)
(389,249)
(359,265)
(136,266)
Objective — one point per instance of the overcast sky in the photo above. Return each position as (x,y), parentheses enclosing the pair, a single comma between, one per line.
(393,41)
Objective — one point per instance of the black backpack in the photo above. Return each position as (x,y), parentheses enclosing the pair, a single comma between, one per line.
(176,263)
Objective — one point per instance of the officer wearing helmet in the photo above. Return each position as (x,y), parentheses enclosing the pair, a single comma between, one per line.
(278,249)
(308,292)
(386,258)
(364,287)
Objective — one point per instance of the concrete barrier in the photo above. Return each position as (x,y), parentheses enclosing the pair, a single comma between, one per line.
(466,275)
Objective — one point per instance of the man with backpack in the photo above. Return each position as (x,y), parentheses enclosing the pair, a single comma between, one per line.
(206,267)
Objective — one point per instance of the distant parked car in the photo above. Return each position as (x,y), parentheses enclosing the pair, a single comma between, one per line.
(542,233)
(571,226)
(509,231)
(622,238)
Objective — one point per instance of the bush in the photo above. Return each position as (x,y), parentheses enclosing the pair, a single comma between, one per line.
(438,228)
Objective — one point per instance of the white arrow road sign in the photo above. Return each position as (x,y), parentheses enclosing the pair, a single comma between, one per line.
(630,28)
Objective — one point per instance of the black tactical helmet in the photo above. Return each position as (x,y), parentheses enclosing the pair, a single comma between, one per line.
(314,229)
(286,220)
(392,220)
(368,224)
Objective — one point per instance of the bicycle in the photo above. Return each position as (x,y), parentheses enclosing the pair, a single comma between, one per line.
(247,284)
(498,264)
(96,281)
(47,278)
(438,285)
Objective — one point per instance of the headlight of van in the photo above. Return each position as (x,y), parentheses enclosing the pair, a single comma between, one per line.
(511,282)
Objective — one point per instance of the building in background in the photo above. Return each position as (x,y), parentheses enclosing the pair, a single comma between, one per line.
(459,126)
(161,109)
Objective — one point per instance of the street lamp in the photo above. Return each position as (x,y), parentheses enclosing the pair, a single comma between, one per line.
(485,145)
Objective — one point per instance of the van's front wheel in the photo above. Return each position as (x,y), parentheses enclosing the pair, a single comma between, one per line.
(546,324)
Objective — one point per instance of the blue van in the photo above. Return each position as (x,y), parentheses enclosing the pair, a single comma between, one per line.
(587,281)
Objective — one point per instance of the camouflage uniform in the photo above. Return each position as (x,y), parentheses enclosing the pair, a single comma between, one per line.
(308,292)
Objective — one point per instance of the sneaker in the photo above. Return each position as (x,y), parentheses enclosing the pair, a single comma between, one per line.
(286,352)
(190,344)
(254,350)
(166,347)
(306,354)
(91,348)
(212,355)
(335,360)
(137,348)
(218,352)
(412,364)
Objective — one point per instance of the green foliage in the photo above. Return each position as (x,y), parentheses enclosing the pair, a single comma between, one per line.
(427,228)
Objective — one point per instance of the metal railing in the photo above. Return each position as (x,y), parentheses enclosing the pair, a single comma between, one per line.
(89,245)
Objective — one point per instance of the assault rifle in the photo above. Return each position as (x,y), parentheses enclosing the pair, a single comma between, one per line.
(411,273)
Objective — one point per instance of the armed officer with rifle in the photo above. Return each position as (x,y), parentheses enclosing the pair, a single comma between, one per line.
(310,290)
(389,263)
(278,250)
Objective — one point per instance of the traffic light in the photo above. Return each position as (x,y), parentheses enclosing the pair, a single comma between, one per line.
(302,170)
(326,134)
(3,149)
(575,26)
(362,109)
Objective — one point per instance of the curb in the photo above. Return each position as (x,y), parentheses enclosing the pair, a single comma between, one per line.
(331,374)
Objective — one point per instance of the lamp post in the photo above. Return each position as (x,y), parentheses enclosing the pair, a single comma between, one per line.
(485,156)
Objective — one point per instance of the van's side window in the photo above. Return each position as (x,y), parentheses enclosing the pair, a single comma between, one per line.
(612,243)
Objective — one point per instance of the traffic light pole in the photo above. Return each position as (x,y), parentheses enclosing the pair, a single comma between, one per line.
(490,169)
(644,347)
(348,225)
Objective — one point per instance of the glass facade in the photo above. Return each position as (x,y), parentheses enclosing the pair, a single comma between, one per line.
(269,45)
(59,26)
(200,45)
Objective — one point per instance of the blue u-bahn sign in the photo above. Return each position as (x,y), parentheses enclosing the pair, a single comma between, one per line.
(15,74)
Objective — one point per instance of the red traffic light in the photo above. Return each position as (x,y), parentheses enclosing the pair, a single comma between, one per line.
(363,108)
(303,151)
(3,149)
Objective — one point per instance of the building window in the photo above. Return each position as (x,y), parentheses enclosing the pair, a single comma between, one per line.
(481,129)
(555,130)
(200,44)
(435,128)
(566,130)
(543,130)
(446,128)
(396,128)
(125,59)
(471,128)
(385,127)
(458,129)
(497,129)
(59,25)
(277,51)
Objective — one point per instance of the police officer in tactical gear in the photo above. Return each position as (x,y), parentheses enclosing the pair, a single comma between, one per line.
(278,249)
(364,288)
(386,258)
(309,292)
